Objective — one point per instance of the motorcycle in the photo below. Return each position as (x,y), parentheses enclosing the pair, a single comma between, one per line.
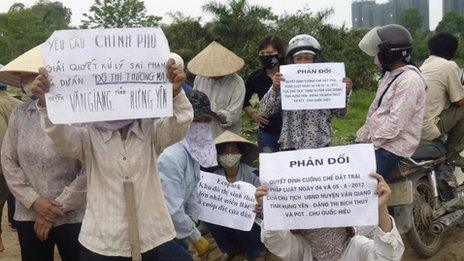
(427,197)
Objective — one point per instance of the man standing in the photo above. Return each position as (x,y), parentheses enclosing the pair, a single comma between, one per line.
(7,104)
(444,108)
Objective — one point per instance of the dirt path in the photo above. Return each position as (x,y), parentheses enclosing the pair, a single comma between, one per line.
(452,251)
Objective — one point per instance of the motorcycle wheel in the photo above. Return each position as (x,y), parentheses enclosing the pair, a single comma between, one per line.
(420,237)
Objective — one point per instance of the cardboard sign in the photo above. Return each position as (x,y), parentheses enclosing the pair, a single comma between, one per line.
(226,204)
(313,86)
(107,74)
(319,188)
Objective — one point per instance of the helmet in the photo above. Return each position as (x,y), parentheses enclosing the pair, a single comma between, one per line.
(303,42)
(390,42)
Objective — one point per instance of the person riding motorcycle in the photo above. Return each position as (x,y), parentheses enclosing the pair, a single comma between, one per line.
(394,120)
(444,107)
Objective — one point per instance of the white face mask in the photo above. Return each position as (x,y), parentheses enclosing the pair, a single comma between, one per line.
(230,160)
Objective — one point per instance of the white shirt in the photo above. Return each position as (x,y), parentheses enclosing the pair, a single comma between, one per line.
(109,161)
(385,246)
(226,96)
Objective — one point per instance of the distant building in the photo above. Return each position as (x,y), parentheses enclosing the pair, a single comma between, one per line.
(456,6)
(367,13)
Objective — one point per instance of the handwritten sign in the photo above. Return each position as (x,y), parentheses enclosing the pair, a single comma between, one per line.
(107,74)
(313,86)
(328,187)
(226,204)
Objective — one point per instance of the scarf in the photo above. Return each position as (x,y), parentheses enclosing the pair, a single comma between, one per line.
(199,143)
(327,244)
(109,125)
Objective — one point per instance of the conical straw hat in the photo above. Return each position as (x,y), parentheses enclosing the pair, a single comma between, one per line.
(215,61)
(251,151)
(24,65)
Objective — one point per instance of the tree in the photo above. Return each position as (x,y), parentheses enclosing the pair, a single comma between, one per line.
(118,14)
(451,23)
(24,28)
(412,20)
(186,36)
(239,26)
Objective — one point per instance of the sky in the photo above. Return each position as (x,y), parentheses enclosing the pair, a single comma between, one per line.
(193,8)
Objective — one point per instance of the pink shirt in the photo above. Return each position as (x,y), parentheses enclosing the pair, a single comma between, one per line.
(397,124)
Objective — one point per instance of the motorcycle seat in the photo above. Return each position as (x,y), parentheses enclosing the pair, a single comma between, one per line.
(429,150)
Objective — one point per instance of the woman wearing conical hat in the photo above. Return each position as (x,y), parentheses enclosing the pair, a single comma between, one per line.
(50,189)
(216,69)
(234,155)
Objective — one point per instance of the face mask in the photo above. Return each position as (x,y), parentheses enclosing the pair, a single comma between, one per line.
(269,61)
(230,160)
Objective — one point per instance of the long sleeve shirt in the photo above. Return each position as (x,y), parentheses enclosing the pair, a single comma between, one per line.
(7,104)
(180,174)
(109,161)
(226,96)
(396,125)
(32,168)
(384,247)
(301,129)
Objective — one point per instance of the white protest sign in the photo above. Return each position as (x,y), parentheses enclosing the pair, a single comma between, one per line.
(313,86)
(327,187)
(107,74)
(226,204)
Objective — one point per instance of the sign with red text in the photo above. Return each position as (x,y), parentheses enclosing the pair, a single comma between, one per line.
(313,86)
(320,188)
(107,74)
(226,204)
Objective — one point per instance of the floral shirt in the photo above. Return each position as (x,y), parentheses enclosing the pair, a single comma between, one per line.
(301,129)
(32,168)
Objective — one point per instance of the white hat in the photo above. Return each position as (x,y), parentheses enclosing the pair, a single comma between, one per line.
(178,59)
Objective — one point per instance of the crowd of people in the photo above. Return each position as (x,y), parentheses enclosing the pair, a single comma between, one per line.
(128,188)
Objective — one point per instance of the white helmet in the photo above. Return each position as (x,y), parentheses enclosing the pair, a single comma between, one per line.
(303,42)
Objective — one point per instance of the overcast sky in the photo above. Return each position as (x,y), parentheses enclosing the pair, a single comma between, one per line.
(193,8)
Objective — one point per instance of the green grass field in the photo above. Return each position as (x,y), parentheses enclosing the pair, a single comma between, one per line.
(345,128)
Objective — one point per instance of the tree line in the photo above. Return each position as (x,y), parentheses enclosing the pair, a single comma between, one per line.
(236,24)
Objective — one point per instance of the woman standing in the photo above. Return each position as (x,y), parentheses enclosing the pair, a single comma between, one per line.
(394,120)
(271,54)
(49,189)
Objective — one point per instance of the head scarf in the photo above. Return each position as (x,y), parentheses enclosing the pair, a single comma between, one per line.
(199,143)
(109,125)
(327,244)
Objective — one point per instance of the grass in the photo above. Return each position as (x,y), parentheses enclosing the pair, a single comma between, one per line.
(344,128)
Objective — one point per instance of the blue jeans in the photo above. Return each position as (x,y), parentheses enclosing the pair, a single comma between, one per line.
(386,162)
(267,142)
(228,239)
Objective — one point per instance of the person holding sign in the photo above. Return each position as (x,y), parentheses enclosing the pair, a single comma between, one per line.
(50,188)
(126,213)
(216,68)
(312,245)
(234,155)
(179,167)
(301,129)
(394,120)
